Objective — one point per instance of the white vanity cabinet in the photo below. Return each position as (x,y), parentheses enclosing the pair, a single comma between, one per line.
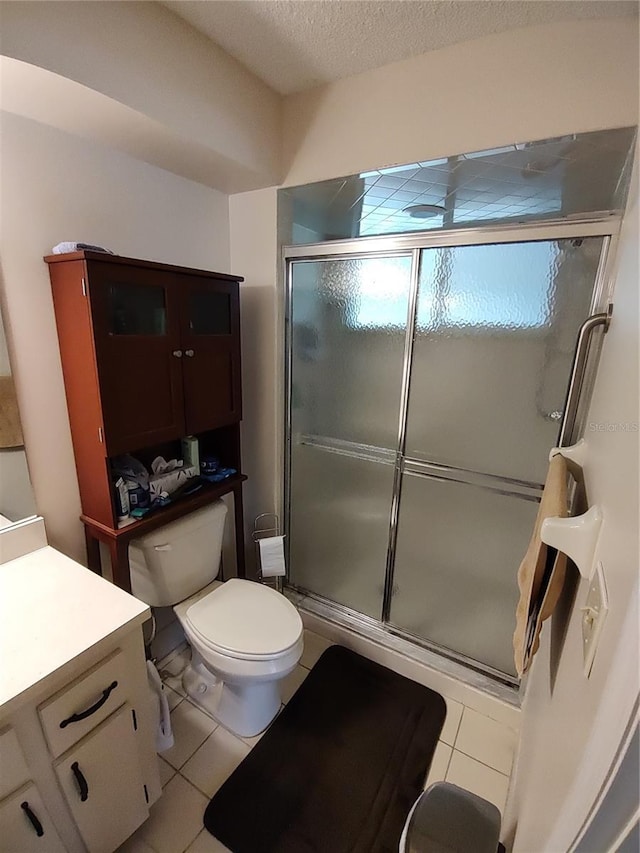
(103,784)
(25,825)
(78,766)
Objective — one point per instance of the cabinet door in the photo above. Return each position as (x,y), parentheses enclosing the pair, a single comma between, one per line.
(13,767)
(211,344)
(136,323)
(101,780)
(25,825)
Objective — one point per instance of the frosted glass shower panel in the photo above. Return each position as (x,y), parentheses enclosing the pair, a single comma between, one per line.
(339,526)
(495,335)
(457,553)
(348,321)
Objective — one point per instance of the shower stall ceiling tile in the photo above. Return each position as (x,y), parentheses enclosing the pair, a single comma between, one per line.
(583,173)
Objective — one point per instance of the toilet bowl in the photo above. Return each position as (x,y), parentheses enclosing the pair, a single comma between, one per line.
(244,637)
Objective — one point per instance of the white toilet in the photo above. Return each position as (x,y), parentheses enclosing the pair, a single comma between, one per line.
(245,637)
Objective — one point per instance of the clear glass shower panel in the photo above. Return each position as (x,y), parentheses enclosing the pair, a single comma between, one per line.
(339,526)
(457,553)
(348,320)
(496,329)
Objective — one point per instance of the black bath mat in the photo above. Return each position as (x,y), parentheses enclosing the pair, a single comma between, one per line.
(339,769)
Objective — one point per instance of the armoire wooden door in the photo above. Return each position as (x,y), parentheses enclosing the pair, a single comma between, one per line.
(136,323)
(210,339)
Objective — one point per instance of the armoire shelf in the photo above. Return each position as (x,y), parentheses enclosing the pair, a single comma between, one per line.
(117,540)
(150,353)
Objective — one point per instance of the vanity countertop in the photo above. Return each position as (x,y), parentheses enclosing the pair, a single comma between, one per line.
(52,610)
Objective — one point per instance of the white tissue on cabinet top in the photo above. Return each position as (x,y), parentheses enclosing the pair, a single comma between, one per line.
(63,248)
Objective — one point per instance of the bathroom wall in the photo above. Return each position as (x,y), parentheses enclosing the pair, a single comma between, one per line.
(522,85)
(58,187)
(253,251)
(517,86)
(572,724)
(145,58)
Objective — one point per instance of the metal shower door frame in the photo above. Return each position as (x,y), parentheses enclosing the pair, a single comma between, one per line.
(411,245)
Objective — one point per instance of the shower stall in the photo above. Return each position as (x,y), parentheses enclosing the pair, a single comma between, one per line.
(427,378)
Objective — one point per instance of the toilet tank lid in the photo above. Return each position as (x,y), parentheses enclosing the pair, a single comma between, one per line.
(246,618)
(184,526)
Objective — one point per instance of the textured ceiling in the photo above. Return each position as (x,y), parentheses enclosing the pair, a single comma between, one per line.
(296,44)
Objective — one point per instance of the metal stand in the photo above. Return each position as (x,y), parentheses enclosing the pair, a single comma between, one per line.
(265,525)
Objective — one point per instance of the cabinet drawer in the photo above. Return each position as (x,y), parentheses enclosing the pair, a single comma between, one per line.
(13,767)
(25,825)
(102,783)
(86,702)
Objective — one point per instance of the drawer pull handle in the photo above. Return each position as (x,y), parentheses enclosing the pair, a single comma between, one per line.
(83,788)
(75,718)
(35,823)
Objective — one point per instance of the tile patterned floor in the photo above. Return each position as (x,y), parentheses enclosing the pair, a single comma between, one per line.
(474,751)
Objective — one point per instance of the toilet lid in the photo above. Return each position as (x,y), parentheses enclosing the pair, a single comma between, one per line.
(245,619)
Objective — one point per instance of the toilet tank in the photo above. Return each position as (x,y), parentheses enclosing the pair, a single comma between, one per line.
(175,561)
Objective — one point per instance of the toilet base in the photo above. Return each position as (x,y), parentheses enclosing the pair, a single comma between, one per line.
(246,709)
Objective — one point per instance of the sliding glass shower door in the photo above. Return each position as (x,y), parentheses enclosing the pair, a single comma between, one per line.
(347,335)
(426,390)
(495,332)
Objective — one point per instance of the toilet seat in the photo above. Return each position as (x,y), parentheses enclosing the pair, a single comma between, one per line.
(246,621)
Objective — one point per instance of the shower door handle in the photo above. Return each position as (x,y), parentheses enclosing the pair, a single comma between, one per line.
(578,370)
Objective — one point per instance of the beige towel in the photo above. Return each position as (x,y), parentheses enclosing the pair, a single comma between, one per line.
(532,568)
(10,429)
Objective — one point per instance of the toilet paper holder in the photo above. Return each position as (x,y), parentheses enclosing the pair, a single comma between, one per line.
(266,525)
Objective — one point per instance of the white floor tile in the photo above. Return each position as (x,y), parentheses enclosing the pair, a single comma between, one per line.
(439,764)
(290,684)
(486,740)
(167,640)
(206,843)
(215,761)
(451,722)
(191,727)
(176,819)
(135,845)
(171,670)
(478,778)
(175,660)
(167,772)
(432,671)
(173,697)
(314,646)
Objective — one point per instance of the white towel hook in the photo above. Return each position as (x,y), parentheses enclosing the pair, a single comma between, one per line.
(576,453)
(576,537)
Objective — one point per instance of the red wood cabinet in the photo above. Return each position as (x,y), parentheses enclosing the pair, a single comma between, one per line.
(150,353)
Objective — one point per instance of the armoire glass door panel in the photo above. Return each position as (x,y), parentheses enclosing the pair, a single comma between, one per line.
(496,329)
(339,526)
(457,554)
(348,322)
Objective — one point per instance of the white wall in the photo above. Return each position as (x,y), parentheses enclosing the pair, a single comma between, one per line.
(516,86)
(254,254)
(571,724)
(16,494)
(58,187)
(145,57)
